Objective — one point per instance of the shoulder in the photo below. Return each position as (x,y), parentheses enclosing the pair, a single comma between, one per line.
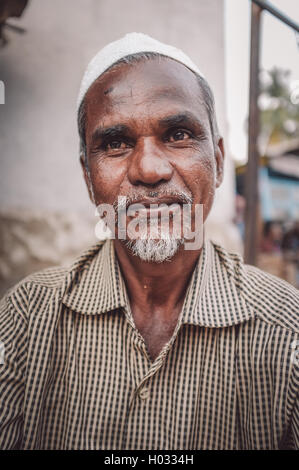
(39,286)
(276,299)
(271,299)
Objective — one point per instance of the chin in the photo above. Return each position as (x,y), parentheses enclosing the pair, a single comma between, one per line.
(154,250)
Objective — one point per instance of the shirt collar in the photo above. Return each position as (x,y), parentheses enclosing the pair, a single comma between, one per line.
(214,298)
(95,282)
(95,285)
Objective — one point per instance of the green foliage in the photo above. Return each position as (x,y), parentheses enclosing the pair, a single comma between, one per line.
(279,117)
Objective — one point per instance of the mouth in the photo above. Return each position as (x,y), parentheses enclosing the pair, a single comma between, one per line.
(163,207)
(147,202)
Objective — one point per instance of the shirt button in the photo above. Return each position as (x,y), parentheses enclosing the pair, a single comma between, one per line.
(144,393)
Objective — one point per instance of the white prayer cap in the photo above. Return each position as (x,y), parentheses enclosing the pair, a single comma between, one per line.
(131,43)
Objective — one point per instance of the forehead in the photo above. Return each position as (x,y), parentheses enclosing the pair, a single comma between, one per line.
(151,86)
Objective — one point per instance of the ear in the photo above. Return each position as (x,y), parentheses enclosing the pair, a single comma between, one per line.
(86,175)
(219,155)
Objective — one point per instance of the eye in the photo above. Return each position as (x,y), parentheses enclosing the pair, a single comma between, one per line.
(178,135)
(116,144)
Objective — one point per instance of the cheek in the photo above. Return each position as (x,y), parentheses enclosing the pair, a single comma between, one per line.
(201,175)
(106,177)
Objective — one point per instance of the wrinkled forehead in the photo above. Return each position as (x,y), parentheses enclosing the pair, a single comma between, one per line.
(143,82)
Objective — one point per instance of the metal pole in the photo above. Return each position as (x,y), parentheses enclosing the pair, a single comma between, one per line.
(265,5)
(251,179)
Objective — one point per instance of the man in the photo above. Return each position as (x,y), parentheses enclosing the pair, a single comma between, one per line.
(150,342)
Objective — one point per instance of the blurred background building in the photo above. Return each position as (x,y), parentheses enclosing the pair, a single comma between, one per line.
(278,177)
(277,213)
(45,215)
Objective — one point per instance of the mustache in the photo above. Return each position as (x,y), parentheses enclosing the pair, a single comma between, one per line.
(180,196)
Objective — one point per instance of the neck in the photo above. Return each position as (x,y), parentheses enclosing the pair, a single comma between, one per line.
(156,287)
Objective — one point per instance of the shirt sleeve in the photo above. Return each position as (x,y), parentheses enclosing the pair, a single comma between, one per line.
(13,351)
(292,438)
(295,425)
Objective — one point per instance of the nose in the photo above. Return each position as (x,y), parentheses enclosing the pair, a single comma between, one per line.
(149,165)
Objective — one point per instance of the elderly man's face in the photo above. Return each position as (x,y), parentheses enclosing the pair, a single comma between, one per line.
(148,134)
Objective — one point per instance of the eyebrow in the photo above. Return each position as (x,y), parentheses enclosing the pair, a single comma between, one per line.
(179,119)
(104,132)
(101,133)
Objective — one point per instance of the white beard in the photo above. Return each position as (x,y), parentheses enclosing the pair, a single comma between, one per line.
(155,246)
(155,251)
